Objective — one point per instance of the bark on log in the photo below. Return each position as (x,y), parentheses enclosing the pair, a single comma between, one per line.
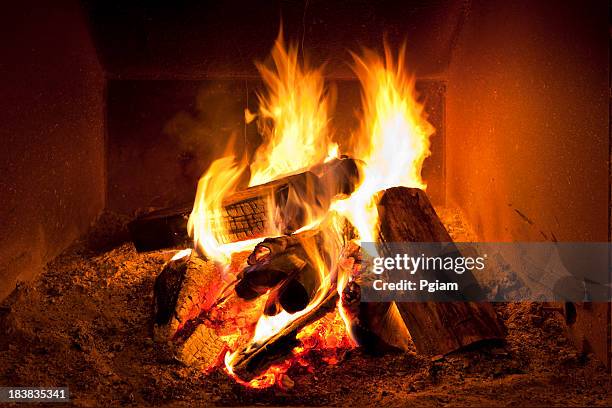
(280,205)
(158,229)
(406,215)
(376,326)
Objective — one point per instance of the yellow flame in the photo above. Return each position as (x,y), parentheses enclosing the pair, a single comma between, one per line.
(206,222)
(393,139)
(293,116)
(181,254)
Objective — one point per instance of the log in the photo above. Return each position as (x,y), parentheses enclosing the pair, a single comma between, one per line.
(165,228)
(282,266)
(378,327)
(253,360)
(436,328)
(280,205)
(203,348)
(184,287)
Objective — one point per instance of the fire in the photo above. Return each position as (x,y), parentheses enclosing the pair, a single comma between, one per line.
(294,120)
(206,219)
(293,116)
(393,139)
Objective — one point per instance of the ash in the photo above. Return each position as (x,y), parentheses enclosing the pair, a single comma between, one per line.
(85,323)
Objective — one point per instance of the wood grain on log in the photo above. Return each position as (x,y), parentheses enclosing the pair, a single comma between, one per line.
(406,215)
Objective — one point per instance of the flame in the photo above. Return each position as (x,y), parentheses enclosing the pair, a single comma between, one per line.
(293,116)
(393,139)
(205,223)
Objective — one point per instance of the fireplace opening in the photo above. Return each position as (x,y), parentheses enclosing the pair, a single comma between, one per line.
(308,203)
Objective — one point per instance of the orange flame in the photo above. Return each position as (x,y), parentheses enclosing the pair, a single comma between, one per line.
(393,139)
(293,116)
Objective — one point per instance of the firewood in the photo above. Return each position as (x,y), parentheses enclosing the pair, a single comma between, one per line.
(285,268)
(165,228)
(280,205)
(406,215)
(376,326)
(203,348)
(183,288)
(251,361)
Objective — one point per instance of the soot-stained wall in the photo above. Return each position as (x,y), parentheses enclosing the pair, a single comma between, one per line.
(52,115)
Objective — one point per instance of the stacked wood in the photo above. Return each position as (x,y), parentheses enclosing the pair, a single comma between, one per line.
(283,205)
(406,215)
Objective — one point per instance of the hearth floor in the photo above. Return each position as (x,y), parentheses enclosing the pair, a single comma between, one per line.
(85,324)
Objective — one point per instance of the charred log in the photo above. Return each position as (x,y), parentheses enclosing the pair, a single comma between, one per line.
(282,265)
(280,205)
(183,288)
(252,361)
(406,215)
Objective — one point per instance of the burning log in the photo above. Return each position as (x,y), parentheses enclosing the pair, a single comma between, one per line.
(375,326)
(186,285)
(203,348)
(252,361)
(406,215)
(280,205)
(285,266)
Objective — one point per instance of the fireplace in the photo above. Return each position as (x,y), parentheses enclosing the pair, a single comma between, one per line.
(121,124)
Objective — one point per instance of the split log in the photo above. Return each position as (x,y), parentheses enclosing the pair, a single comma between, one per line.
(280,205)
(255,359)
(406,215)
(184,287)
(376,326)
